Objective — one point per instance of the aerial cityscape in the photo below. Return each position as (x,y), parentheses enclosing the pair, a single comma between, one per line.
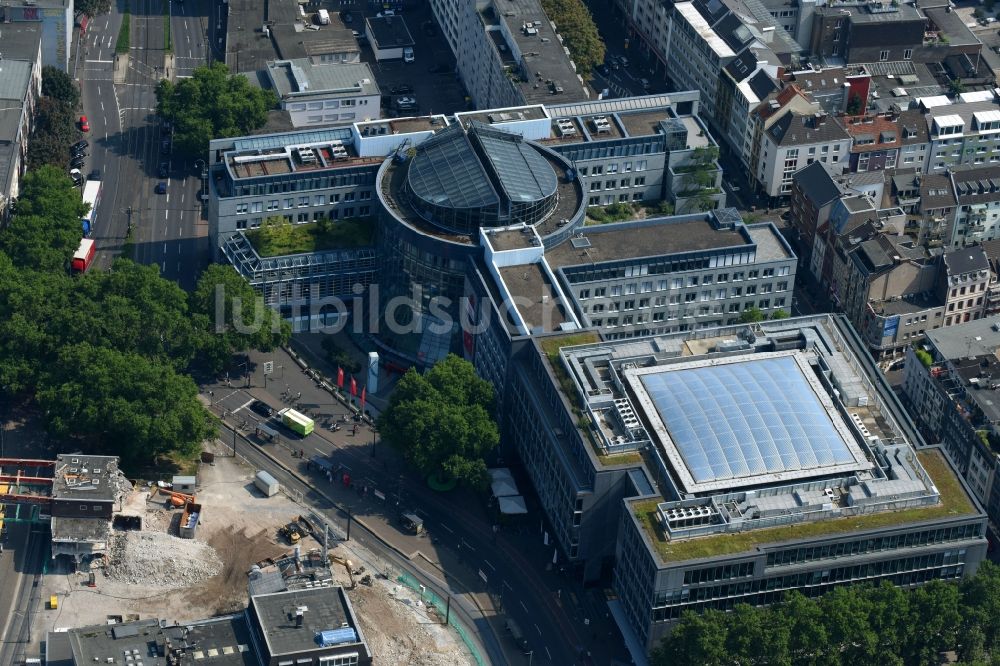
(507,332)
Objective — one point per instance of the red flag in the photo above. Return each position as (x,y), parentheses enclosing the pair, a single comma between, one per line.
(364,391)
(354,386)
(340,378)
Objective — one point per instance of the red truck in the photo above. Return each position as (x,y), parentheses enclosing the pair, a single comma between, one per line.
(84,256)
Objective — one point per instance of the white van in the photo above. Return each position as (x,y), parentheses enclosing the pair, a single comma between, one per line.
(408,54)
(323,16)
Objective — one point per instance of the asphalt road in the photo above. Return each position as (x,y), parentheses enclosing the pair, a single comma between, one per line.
(125,142)
(549,606)
(20,572)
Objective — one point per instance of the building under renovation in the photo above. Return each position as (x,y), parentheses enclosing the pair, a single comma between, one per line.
(76,493)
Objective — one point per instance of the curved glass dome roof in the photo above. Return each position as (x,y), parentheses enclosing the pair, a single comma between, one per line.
(461,180)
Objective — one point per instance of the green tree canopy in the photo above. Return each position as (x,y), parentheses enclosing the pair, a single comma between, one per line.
(579,32)
(860,625)
(232,317)
(751,315)
(54,132)
(441,421)
(211,104)
(92,7)
(58,85)
(104,354)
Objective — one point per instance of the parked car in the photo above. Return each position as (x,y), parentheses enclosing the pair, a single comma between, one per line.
(79,144)
(261,408)
(603,70)
(94,175)
(408,56)
(406,103)
(161,187)
(386,12)
(401,89)
(163,170)
(80,152)
(84,124)
(645,84)
(77,176)
(77,162)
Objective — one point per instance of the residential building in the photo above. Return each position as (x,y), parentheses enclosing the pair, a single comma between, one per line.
(85,492)
(509,54)
(743,84)
(624,437)
(992,249)
(977,215)
(814,192)
(967,277)
(20,89)
(314,626)
(794,141)
(876,141)
(788,99)
(853,32)
(964,133)
(951,396)
(929,202)
(327,94)
(54,20)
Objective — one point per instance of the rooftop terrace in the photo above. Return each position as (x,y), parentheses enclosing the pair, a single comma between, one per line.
(535,297)
(613,242)
(952,501)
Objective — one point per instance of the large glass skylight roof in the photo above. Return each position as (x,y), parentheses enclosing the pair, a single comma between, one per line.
(731,422)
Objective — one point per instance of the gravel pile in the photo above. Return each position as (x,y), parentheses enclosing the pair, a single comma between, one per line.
(157,559)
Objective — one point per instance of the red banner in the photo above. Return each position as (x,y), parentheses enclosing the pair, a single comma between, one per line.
(340,378)
(354,386)
(364,392)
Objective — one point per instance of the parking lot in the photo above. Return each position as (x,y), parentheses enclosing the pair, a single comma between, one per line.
(431,77)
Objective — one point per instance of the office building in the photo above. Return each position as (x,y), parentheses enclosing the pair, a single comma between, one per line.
(794,141)
(977,190)
(828,486)
(509,53)
(326,94)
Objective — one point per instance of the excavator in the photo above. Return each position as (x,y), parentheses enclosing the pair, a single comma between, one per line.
(176,500)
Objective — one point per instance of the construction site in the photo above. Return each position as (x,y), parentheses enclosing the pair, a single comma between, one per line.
(198,548)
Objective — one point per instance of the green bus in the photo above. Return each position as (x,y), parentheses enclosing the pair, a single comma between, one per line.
(299,423)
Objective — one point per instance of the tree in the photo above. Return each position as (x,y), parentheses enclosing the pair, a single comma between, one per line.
(854,105)
(751,315)
(232,317)
(92,7)
(697,639)
(212,104)
(441,421)
(780,314)
(46,230)
(924,357)
(575,24)
(54,132)
(956,86)
(58,85)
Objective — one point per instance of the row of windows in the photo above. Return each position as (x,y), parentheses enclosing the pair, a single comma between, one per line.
(701,311)
(301,202)
(334,214)
(597,186)
(689,281)
(609,199)
(740,570)
(900,577)
(297,183)
(690,297)
(849,548)
(612,168)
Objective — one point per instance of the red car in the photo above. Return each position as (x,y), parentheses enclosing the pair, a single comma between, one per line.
(84,125)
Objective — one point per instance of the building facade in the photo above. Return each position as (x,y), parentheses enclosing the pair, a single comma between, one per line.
(328,94)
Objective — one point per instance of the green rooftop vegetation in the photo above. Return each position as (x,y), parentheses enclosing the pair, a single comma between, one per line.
(277,236)
(953,502)
(551,347)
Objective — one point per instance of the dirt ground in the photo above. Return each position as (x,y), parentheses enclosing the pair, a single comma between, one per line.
(241,526)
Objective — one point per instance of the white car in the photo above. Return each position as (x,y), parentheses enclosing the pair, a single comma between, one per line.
(408,56)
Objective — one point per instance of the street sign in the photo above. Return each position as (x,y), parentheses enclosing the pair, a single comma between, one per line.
(268,367)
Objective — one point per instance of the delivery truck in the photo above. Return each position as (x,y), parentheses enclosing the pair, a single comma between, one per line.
(296,422)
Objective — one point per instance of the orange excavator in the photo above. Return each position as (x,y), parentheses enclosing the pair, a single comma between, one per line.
(179,499)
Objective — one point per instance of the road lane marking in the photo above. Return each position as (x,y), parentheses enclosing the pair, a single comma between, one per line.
(524,607)
(166,214)
(182,197)
(548,653)
(164,248)
(101,62)
(102,109)
(243,406)
(447,528)
(490,565)
(164,267)
(538,630)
